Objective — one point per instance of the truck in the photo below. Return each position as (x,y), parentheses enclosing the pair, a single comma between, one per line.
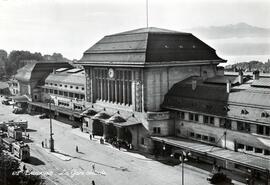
(21,150)
(15,132)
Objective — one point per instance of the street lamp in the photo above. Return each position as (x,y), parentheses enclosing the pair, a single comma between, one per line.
(183,157)
(51,134)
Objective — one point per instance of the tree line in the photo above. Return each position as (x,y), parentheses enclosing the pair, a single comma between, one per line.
(10,63)
(250,66)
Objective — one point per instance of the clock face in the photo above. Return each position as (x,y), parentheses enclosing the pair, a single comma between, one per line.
(111,73)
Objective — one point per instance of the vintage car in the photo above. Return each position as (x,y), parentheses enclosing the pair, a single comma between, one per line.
(44,116)
(218,178)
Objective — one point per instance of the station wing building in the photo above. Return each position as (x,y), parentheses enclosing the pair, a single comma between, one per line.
(128,75)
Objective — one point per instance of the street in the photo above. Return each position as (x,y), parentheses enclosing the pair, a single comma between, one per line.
(112,167)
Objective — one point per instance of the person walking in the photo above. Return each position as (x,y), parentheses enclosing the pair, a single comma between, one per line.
(93,182)
(77,149)
(42,144)
(24,168)
(93,168)
(90,136)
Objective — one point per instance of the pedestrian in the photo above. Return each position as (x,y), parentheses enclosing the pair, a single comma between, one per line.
(93,182)
(24,168)
(90,135)
(93,168)
(77,149)
(46,143)
(93,135)
(28,136)
(42,144)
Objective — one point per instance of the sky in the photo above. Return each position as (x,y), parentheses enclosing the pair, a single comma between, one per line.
(71,27)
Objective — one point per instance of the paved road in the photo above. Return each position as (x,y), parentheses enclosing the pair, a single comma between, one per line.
(112,167)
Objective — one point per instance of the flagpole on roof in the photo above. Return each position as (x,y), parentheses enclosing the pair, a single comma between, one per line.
(147,13)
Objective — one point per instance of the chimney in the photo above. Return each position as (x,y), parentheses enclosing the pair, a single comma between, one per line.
(229,86)
(240,77)
(194,84)
(256,75)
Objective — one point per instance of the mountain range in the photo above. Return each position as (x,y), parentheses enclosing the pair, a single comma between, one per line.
(240,30)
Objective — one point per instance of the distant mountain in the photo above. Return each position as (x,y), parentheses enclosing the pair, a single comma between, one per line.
(240,30)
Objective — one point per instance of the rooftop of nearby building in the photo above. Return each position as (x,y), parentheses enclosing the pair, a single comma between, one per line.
(149,46)
(209,97)
(67,76)
(38,70)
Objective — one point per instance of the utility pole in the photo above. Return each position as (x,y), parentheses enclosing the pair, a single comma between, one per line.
(51,134)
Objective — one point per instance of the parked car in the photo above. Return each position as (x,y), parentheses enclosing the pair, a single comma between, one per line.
(18,111)
(218,178)
(43,116)
(5,102)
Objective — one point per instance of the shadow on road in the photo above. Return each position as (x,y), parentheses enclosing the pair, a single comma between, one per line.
(35,161)
(30,130)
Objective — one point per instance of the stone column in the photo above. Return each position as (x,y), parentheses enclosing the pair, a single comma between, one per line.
(105,131)
(115,91)
(101,89)
(124,88)
(109,89)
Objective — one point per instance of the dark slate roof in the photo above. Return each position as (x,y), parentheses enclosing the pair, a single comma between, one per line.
(149,45)
(38,70)
(210,98)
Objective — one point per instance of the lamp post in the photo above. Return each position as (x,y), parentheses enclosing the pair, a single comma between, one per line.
(51,134)
(183,157)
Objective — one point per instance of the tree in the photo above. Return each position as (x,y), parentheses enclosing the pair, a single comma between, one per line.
(10,173)
(15,57)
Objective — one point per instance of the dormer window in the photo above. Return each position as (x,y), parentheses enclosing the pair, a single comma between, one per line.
(265,115)
(244,111)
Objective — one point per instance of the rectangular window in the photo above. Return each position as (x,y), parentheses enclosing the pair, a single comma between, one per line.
(191,116)
(260,129)
(266,152)
(249,148)
(61,93)
(212,139)
(212,120)
(258,150)
(55,92)
(77,96)
(206,119)
(198,136)
(205,138)
(47,90)
(182,115)
(158,130)
(191,134)
(240,146)
(66,94)
(142,141)
(243,126)
(196,117)
(71,95)
(51,91)
(267,130)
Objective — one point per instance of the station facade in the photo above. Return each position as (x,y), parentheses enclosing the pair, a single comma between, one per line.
(128,75)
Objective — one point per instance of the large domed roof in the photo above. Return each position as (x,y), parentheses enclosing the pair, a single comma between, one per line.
(148,46)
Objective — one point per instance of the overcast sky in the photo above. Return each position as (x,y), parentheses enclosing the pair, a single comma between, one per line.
(71,27)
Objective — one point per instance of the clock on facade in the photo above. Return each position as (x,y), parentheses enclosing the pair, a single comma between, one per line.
(111,73)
